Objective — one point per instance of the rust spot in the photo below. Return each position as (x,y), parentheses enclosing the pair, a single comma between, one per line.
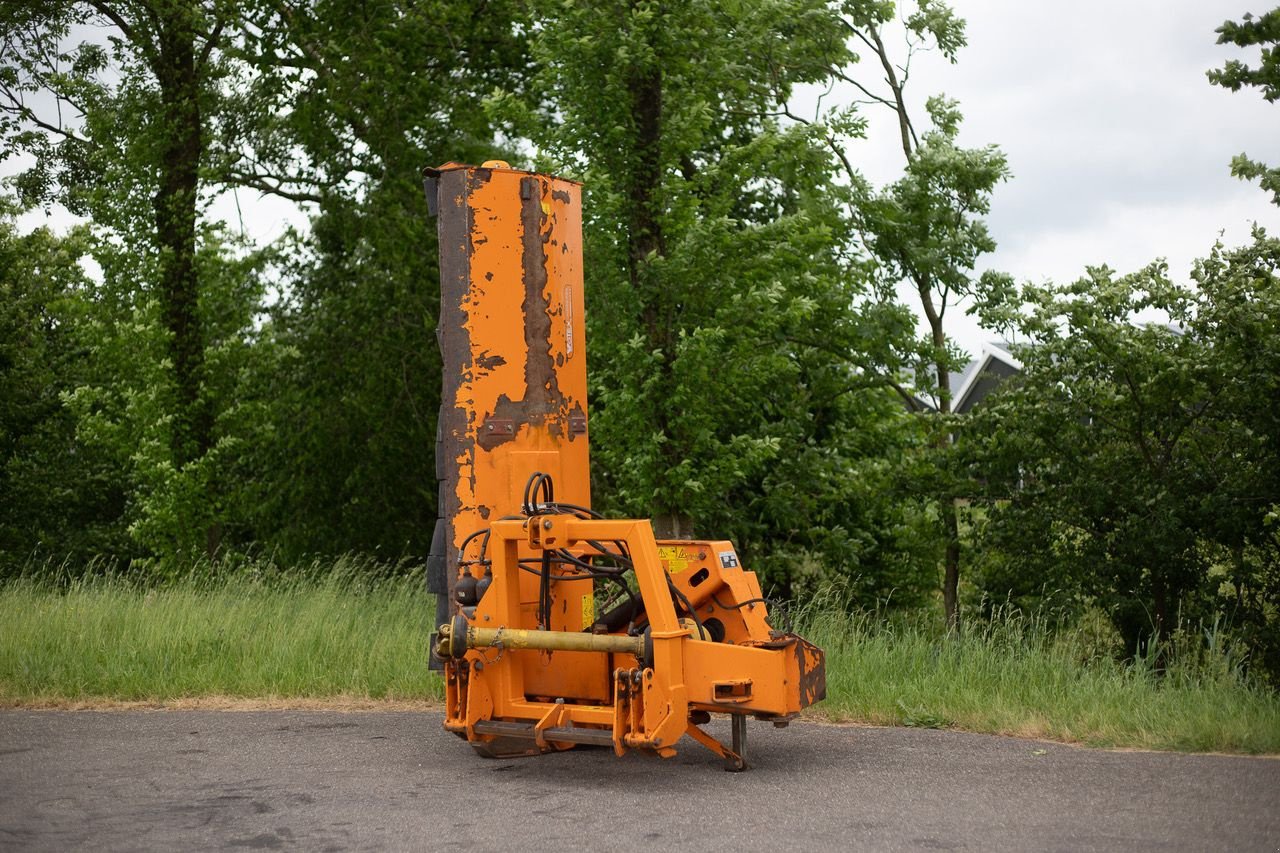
(813,672)
(561,195)
(489,362)
(454,225)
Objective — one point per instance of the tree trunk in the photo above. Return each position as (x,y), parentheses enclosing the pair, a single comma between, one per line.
(645,239)
(644,231)
(177,69)
(951,568)
(1163,630)
(947,505)
(175,216)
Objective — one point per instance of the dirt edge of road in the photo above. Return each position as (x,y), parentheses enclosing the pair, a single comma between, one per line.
(364,704)
(340,704)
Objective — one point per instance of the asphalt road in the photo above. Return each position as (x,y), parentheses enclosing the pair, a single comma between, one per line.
(191,780)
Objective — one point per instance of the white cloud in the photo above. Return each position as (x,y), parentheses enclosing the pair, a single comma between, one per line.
(1128,235)
(1119,146)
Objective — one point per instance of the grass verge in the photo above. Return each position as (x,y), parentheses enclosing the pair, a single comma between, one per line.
(336,637)
(1014,676)
(340,641)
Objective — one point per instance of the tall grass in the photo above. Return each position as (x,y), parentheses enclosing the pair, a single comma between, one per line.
(1026,676)
(256,633)
(353,630)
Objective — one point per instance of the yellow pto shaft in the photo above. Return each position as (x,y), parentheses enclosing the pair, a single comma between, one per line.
(457,637)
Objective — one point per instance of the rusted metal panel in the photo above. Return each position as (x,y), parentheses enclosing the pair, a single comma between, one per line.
(514,398)
(812,662)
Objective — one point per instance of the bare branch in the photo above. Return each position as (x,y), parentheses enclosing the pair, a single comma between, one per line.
(879,99)
(262,182)
(831,143)
(210,41)
(16,106)
(909,140)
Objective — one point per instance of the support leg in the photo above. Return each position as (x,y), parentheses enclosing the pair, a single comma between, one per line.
(733,762)
(739,744)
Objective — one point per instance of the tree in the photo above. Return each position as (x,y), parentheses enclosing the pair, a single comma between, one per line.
(118,132)
(340,108)
(1262,31)
(1237,315)
(1139,460)
(307,424)
(735,358)
(925,229)
(165,52)
(61,497)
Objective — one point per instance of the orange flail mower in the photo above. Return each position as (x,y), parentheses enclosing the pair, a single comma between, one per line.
(558,627)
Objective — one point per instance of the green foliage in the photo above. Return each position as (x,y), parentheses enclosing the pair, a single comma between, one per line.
(59,494)
(735,355)
(124,396)
(286,397)
(353,388)
(1139,460)
(343,110)
(121,142)
(1263,32)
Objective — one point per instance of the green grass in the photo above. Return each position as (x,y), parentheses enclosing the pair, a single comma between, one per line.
(336,636)
(242,637)
(1014,676)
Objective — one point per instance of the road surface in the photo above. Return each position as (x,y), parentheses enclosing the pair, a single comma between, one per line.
(320,780)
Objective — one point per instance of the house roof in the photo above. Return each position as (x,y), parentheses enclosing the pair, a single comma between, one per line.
(995,358)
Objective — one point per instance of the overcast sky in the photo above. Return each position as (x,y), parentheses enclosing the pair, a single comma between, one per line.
(1118,146)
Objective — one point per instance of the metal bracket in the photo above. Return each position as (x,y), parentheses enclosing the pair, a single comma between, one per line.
(498,427)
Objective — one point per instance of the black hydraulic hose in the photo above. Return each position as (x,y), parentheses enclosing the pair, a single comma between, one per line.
(564,556)
(630,610)
(566,508)
(620,555)
(465,542)
(544,592)
(740,605)
(538,481)
(687,606)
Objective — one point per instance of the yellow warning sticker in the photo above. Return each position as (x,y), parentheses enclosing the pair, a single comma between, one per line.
(676,558)
(588,611)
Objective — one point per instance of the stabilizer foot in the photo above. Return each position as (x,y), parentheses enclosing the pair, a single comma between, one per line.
(735,759)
